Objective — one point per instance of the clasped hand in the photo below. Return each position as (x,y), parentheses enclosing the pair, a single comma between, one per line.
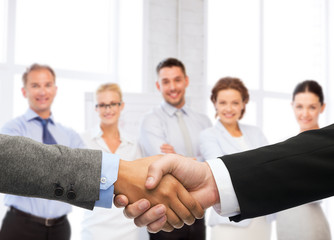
(179,206)
(185,187)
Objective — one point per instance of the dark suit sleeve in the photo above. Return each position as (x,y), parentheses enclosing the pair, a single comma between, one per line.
(55,172)
(284,175)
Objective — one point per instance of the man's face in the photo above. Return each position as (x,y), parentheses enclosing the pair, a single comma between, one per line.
(40,90)
(172,84)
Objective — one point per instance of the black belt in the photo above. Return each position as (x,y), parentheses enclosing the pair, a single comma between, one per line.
(48,222)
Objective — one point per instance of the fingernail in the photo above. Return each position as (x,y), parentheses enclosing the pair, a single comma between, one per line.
(160,210)
(149,180)
(120,201)
(143,205)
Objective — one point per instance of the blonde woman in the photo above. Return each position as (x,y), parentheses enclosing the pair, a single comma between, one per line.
(110,224)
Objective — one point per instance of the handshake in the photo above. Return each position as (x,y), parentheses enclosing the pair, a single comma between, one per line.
(164,192)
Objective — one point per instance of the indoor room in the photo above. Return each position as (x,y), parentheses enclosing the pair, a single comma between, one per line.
(266,46)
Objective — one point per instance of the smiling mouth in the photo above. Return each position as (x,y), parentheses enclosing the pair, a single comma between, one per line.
(173,95)
(42,100)
(305,121)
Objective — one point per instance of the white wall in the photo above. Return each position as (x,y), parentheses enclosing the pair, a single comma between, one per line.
(176,28)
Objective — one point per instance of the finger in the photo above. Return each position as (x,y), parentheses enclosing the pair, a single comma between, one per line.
(173,219)
(160,225)
(121,201)
(151,216)
(166,151)
(191,204)
(167,227)
(158,169)
(182,212)
(136,209)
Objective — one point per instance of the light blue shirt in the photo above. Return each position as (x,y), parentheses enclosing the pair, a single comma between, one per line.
(109,173)
(27,126)
(161,126)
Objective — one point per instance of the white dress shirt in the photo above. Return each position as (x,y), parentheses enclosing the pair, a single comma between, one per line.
(160,126)
(216,142)
(111,224)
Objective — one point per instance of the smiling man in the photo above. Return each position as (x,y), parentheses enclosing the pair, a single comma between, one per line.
(33,218)
(174,128)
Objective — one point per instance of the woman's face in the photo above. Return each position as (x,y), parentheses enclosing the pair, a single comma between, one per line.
(109,107)
(307,108)
(229,105)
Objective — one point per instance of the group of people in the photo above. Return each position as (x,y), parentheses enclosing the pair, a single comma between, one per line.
(172,127)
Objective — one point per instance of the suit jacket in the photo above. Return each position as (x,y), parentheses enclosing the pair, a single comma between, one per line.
(54,172)
(284,175)
(217,141)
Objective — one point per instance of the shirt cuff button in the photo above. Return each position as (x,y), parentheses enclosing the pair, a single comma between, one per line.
(103,180)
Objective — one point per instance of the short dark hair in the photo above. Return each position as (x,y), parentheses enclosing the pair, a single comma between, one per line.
(231,83)
(171,62)
(309,86)
(36,67)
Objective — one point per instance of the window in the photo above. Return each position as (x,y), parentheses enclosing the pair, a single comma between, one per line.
(294,43)
(271,46)
(87,43)
(3,35)
(234,41)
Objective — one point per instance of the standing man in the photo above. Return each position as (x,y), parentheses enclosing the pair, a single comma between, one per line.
(174,128)
(34,218)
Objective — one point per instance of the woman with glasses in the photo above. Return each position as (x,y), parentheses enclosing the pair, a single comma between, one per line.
(111,224)
(307,222)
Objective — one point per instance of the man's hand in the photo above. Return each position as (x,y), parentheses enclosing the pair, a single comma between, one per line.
(181,207)
(195,176)
(166,148)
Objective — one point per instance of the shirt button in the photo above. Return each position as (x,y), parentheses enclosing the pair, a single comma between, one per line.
(103,180)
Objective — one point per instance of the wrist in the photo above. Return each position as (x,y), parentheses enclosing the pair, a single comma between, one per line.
(211,185)
(120,184)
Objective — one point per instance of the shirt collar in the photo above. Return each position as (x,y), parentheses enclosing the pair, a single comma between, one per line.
(220,126)
(97,133)
(31,115)
(170,110)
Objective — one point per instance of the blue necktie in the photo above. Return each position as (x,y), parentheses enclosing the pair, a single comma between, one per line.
(47,136)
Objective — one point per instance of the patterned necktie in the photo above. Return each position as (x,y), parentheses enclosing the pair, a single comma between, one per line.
(47,136)
(185,133)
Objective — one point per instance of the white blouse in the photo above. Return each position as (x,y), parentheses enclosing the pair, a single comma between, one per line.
(110,224)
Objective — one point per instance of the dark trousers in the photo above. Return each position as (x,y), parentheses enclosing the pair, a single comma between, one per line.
(193,232)
(15,227)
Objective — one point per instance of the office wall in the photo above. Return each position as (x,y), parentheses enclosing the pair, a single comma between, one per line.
(176,28)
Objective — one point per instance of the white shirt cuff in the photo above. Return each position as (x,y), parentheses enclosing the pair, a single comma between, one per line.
(229,205)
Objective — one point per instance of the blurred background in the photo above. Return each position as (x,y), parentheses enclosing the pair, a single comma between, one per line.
(269,44)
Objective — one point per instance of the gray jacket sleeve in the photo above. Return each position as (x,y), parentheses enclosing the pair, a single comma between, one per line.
(55,172)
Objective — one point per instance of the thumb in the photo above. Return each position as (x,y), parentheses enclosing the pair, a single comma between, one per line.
(121,201)
(158,169)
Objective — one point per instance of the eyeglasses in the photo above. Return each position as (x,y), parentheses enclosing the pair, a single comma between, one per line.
(110,105)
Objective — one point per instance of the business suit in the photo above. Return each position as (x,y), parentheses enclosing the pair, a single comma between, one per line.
(54,172)
(284,175)
(217,141)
